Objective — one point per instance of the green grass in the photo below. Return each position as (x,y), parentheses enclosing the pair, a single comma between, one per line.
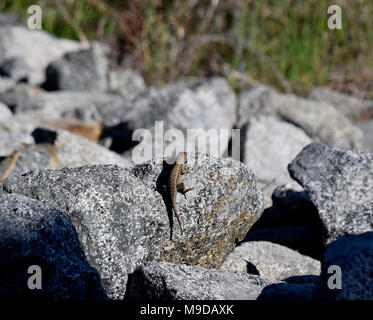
(284,43)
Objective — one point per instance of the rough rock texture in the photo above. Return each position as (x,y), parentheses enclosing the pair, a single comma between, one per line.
(122,220)
(11,141)
(354,255)
(339,183)
(268,146)
(83,70)
(320,120)
(352,107)
(32,233)
(125,82)
(275,262)
(4,111)
(15,41)
(167,281)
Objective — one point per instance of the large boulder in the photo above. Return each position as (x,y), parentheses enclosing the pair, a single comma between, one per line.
(122,219)
(275,262)
(34,234)
(352,107)
(269,145)
(347,269)
(167,281)
(320,120)
(84,70)
(339,183)
(15,41)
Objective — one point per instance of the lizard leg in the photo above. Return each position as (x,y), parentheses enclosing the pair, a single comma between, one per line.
(181,188)
(184,170)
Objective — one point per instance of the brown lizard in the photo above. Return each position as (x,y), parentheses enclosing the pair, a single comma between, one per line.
(173,186)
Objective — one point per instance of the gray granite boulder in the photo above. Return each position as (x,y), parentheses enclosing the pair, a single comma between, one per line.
(353,254)
(320,120)
(352,107)
(275,262)
(167,281)
(11,141)
(125,82)
(15,68)
(15,41)
(269,145)
(32,233)
(84,70)
(123,220)
(339,183)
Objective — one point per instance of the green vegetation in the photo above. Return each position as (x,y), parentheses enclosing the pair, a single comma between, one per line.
(284,43)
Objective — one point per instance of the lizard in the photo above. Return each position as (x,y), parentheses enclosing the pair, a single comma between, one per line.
(173,186)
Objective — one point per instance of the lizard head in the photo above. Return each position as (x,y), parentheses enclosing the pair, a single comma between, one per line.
(181,158)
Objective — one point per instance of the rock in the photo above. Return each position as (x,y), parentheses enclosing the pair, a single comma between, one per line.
(5,113)
(72,150)
(16,40)
(167,281)
(339,183)
(9,142)
(288,291)
(32,233)
(125,82)
(354,255)
(27,158)
(352,107)
(121,217)
(305,239)
(60,105)
(6,84)
(275,262)
(83,70)
(320,120)
(268,146)
(234,263)
(16,69)
(367,128)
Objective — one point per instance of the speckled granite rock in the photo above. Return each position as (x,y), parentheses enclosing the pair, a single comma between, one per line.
(354,255)
(352,107)
(275,262)
(339,183)
(167,281)
(32,233)
(320,120)
(122,220)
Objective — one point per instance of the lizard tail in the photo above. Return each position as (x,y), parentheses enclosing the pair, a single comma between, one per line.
(177,217)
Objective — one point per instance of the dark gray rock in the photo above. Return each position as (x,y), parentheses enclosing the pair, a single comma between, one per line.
(167,281)
(15,68)
(354,255)
(288,291)
(122,219)
(15,41)
(352,107)
(275,262)
(32,233)
(339,183)
(320,120)
(84,70)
